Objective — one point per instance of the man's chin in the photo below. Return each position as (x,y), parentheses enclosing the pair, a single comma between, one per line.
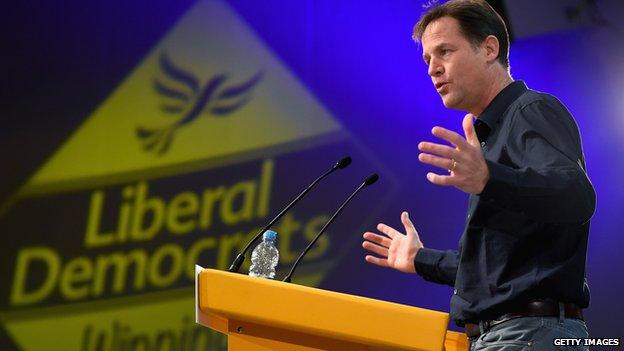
(449,102)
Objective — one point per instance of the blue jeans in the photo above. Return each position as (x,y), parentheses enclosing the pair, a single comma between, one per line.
(530,333)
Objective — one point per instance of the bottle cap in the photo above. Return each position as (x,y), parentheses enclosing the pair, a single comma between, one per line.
(269,235)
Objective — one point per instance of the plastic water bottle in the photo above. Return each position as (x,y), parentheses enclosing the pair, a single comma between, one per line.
(264,257)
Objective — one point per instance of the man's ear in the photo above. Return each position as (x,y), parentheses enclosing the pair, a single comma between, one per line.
(492,47)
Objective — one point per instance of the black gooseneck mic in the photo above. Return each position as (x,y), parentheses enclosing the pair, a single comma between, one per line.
(238,262)
(368,181)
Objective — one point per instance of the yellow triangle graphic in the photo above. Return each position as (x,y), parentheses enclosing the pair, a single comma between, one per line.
(208,93)
(165,324)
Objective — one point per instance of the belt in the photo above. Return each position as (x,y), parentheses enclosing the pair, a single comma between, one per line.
(531,309)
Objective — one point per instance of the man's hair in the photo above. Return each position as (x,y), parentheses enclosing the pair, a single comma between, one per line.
(477,20)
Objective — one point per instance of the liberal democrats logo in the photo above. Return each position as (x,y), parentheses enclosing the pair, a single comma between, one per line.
(185,99)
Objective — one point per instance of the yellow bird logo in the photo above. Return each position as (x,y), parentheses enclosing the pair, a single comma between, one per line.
(185,100)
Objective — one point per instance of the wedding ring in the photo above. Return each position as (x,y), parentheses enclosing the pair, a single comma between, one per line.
(453,166)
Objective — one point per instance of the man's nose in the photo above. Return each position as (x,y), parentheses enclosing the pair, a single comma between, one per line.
(435,68)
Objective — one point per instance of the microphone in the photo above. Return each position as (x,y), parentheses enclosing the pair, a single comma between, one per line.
(238,261)
(368,181)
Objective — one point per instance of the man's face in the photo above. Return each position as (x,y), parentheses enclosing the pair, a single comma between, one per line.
(456,67)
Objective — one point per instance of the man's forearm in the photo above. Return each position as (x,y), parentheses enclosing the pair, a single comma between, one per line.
(437,266)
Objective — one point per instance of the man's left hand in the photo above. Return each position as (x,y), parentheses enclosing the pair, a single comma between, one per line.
(465,163)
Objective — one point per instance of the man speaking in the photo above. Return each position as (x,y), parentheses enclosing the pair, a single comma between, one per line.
(519,272)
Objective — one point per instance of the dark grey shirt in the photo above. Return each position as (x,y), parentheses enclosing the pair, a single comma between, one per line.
(526,233)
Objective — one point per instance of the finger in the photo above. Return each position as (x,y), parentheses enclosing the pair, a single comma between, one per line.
(378,239)
(407,223)
(376,249)
(382,262)
(449,136)
(388,230)
(438,149)
(443,163)
(440,179)
(469,130)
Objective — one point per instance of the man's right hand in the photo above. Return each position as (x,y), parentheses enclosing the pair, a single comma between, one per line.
(396,250)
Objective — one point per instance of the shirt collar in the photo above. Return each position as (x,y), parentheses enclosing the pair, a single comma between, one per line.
(495,110)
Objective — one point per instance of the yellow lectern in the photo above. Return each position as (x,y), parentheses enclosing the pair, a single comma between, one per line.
(263,314)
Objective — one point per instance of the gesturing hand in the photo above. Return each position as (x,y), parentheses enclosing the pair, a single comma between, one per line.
(465,162)
(397,250)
